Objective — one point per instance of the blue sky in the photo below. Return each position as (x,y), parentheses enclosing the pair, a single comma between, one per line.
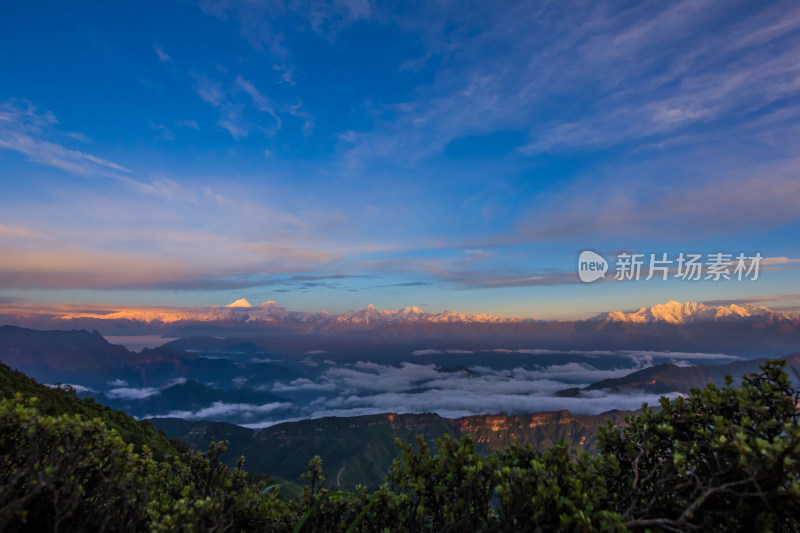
(448,155)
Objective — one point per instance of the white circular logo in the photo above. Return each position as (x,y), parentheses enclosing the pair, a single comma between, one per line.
(591,266)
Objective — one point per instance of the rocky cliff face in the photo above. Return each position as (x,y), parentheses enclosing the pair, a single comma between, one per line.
(540,430)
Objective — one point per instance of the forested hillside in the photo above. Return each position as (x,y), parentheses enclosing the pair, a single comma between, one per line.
(56,401)
(721,459)
(359,450)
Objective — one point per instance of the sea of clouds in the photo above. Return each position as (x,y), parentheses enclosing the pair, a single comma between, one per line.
(417,385)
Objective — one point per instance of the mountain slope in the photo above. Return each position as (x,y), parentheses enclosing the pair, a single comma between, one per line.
(84,358)
(56,401)
(360,449)
(55,355)
(356,450)
(540,430)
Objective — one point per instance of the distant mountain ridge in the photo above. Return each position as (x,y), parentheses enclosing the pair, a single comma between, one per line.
(272,315)
(686,313)
(54,354)
(271,312)
(689,327)
(81,357)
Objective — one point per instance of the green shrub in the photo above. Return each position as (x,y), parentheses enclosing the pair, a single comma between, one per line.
(720,459)
(65,473)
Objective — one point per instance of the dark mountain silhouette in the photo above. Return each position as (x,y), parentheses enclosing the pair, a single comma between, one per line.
(59,355)
(84,358)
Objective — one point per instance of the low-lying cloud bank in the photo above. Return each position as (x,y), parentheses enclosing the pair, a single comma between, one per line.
(368,388)
(418,385)
(634,355)
(225,411)
(454,404)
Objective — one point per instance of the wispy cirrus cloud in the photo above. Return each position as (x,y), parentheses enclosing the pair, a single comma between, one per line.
(735,72)
(494,276)
(499,278)
(162,55)
(457,272)
(779,261)
(27,130)
(191,124)
(239,117)
(18,232)
(163,131)
(637,76)
(258,20)
(632,207)
(244,265)
(753,300)
(23,129)
(261,102)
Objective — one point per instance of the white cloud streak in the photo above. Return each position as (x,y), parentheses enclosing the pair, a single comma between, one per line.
(132,393)
(225,411)
(162,56)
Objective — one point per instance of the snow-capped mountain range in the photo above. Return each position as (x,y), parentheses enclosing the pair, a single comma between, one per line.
(733,329)
(688,313)
(270,312)
(241,311)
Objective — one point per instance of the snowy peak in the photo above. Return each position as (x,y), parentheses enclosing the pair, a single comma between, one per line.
(242,312)
(371,315)
(686,313)
(240,303)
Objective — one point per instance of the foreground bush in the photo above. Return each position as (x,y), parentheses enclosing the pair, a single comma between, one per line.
(61,473)
(721,459)
(65,473)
